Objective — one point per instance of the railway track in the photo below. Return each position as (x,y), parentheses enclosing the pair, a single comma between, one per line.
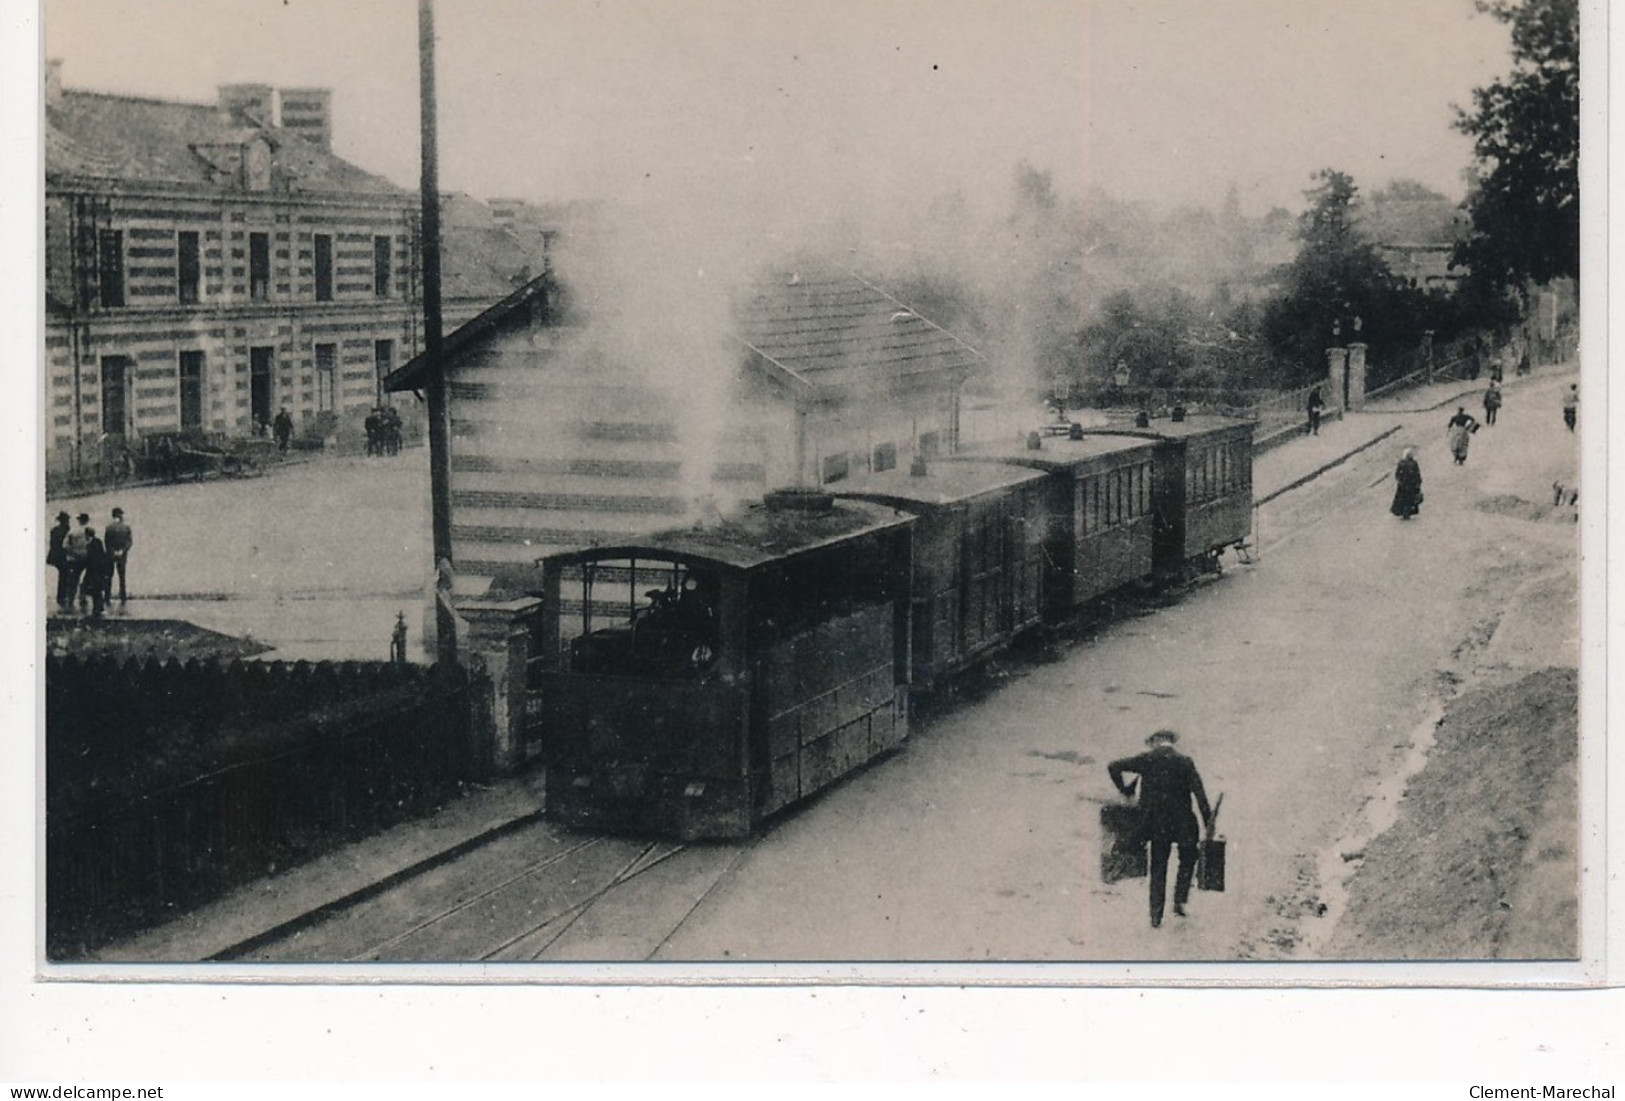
(536,892)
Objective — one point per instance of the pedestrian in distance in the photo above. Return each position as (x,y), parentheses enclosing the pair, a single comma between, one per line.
(282,427)
(1460,431)
(1492,402)
(1316,404)
(56,556)
(98,573)
(1168,781)
(120,539)
(1523,361)
(74,547)
(1571,405)
(1407,486)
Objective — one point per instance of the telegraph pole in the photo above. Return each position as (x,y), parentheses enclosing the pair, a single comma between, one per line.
(439,434)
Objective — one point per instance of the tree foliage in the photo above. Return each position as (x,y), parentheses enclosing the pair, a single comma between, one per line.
(1525,202)
(1339,289)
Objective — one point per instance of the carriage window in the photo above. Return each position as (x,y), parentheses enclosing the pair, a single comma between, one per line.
(835,468)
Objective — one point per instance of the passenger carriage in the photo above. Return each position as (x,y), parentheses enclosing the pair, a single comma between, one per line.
(1203,490)
(978,556)
(1097,513)
(701,679)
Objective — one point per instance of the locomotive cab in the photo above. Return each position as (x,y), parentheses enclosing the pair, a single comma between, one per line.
(673,634)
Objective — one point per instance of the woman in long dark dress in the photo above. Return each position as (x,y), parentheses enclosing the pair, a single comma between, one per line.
(1407,486)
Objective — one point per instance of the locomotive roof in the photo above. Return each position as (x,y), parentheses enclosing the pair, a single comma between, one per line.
(752,538)
(943,483)
(1057,452)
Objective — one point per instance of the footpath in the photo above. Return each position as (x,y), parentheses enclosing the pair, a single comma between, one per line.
(282,900)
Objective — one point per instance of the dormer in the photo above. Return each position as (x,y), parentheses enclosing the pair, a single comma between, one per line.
(245,163)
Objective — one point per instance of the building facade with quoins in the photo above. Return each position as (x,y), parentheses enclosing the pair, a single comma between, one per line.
(210,264)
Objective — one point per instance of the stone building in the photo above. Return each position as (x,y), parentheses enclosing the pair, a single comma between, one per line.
(209,264)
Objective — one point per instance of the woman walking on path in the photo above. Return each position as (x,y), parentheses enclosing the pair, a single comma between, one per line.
(1407,486)
(1461,429)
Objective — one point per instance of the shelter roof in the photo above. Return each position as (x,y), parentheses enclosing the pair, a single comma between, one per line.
(827,327)
(814,331)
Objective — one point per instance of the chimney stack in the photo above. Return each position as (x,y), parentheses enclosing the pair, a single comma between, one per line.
(308,112)
(251,100)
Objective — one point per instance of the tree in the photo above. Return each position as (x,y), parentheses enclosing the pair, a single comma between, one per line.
(1525,201)
(1337,282)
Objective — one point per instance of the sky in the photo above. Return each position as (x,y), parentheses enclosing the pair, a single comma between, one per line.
(820,107)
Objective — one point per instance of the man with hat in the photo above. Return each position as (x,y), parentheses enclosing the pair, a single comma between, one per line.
(119,540)
(57,558)
(75,547)
(1167,781)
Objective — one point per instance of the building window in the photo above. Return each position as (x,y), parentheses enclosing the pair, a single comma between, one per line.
(259,265)
(191,390)
(324,267)
(885,456)
(188,265)
(383,358)
(835,468)
(116,378)
(110,266)
(327,392)
(380,266)
(261,368)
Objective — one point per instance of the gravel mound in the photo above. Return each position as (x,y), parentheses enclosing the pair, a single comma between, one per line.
(1456,876)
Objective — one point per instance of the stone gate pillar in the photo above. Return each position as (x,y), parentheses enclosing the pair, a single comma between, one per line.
(1336,376)
(1356,376)
(497,642)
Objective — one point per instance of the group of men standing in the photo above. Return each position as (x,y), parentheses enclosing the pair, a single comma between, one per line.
(383,426)
(85,564)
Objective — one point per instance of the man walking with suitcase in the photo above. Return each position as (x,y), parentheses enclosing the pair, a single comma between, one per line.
(1167,782)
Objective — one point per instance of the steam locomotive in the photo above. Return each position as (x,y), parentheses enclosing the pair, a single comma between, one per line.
(700,680)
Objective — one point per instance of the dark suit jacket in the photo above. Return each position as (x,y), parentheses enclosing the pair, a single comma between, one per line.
(1168,780)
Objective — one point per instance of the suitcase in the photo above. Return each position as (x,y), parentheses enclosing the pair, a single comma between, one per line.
(1210,866)
(1210,856)
(1122,854)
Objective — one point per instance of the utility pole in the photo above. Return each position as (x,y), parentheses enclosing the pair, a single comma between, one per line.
(439,430)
